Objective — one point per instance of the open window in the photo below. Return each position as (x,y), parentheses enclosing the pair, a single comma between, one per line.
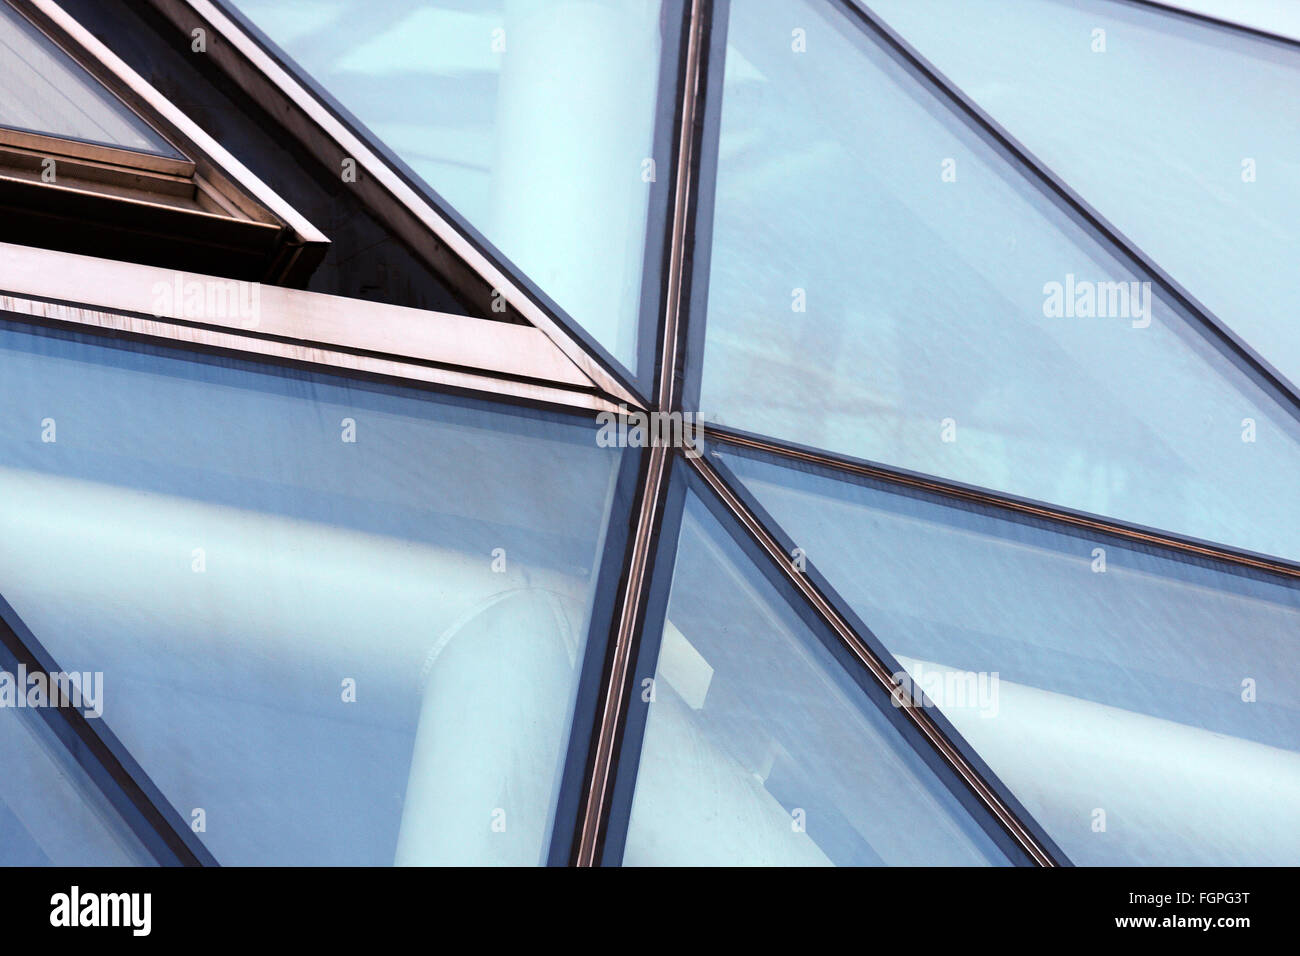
(92,158)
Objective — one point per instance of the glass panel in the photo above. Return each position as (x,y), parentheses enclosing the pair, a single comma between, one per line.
(1145,708)
(860,301)
(1200,168)
(533,119)
(51,814)
(760,748)
(340,619)
(43,90)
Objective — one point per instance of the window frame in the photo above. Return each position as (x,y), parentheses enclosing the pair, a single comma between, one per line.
(204,207)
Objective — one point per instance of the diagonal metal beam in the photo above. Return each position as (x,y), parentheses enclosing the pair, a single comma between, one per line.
(291,325)
(122,781)
(1135,533)
(1025,836)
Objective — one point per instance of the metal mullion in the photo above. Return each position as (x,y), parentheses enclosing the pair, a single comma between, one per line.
(122,781)
(618,672)
(1210,326)
(614,546)
(348,336)
(690,112)
(664,152)
(214,164)
(1138,534)
(635,596)
(978,780)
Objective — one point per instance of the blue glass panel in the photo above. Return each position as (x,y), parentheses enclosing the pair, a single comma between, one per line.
(1184,135)
(1143,706)
(340,619)
(534,119)
(44,90)
(885,285)
(761,748)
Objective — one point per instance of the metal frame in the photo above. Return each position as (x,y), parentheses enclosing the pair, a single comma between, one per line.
(610,835)
(396,195)
(552,364)
(661,214)
(702,93)
(957,491)
(209,199)
(606,741)
(138,164)
(615,551)
(344,335)
(818,595)
(878,663)
(691,344)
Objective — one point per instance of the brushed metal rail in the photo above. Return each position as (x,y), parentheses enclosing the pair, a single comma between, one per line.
(290,324)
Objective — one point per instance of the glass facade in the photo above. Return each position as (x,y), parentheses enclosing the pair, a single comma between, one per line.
(336,623)
(976,542)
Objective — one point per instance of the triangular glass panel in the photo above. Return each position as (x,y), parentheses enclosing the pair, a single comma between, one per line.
(335,616)
(1199,168)
(44,90)
(886,284)
(760,743)
(1142,705)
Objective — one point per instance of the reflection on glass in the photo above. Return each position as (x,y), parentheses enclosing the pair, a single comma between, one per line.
(533,119)
(759,747)
(1192,135)
(1144,708)
(43,90)
(883,285)
(340,619)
